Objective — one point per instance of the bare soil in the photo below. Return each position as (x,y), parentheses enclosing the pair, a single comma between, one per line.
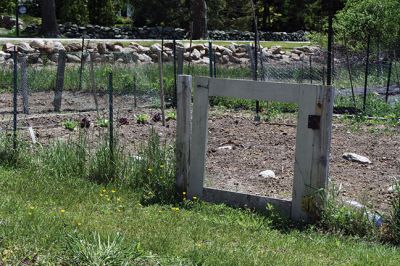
(255,146)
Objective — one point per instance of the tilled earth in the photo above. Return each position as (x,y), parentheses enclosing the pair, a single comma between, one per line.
(238,148)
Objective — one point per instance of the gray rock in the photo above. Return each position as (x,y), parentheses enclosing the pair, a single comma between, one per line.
(267,174)
(37,44)
(356,158)
(8,47)
(226,147)
(58,46)
(25,48)
(155,48)
(393,188)
(73,58)
(196,55)
(101,47)
(276,49)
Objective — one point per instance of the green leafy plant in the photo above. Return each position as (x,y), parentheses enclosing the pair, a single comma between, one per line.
(142,119)
(103,122)
(99,251)
(71,125)
(171,115)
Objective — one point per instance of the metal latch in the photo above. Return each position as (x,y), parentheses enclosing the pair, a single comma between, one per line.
(314,121)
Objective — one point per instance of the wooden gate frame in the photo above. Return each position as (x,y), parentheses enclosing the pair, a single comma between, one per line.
(312,142)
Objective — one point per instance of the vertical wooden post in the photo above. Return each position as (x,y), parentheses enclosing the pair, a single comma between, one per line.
(59,81)
(93,82)
(162,99)
(24,85)
(15,99)
(111,114)
(312,154)
(199,139)
(388,81)
(134,92)
(366,73)
(82,63)
(180,61)
(183,131)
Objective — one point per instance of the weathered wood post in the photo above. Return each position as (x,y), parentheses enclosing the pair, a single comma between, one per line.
(24,85)
(93,81)
(312,154)
(162,95)
(59,80)
(15,99)
(183,131)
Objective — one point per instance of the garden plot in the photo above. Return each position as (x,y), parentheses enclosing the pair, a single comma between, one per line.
(239,148)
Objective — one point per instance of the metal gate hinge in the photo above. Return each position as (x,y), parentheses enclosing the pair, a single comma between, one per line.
(314,121)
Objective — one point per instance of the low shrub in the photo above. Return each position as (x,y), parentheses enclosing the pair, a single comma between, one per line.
(392,232)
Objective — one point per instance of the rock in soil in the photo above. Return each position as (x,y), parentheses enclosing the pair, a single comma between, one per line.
(267,174)
(356,158)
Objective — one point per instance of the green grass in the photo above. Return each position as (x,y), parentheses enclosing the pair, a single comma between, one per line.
(52,213)
(33,224)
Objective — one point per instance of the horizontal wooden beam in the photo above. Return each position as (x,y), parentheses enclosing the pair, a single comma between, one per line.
(260,90)
(236,199)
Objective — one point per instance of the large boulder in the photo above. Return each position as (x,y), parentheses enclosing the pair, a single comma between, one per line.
(25,48)
(37,44)
(8,47)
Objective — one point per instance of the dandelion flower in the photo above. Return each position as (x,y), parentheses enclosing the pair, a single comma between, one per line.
(175,209)
(150,170)
(113,191)
(104,190)
(79,224)
(31,207)
(62,211)
(195,198)
(184,193)
(161,166)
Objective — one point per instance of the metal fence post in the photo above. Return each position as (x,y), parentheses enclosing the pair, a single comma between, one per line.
(15,99)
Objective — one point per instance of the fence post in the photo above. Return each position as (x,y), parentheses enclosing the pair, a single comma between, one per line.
(15,99)
(366,73)
(134,92)
(180,61)
(388,81)
(174,100)
(311,70)
(24,85)
(160,66)
(93,81)
(82,63)
(210,56)
(183,131)
(111,114)
(59,81)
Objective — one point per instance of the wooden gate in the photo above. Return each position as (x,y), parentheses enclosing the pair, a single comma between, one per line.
(312,142)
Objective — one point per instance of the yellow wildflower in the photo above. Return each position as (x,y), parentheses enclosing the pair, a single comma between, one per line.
(175,209)
(113,191)
(62,211)
(150,170)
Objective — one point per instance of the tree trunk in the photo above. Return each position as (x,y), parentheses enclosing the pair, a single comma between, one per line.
(49,20)
(199,15)
(265,18)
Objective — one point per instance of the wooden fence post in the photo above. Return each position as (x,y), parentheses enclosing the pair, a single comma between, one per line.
(24,85)
(183,131)
(59,81)
(93,81)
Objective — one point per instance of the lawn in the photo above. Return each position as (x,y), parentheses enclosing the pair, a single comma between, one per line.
(40,215)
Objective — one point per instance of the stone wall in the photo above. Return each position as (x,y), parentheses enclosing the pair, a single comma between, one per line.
(46,51)
(125,32)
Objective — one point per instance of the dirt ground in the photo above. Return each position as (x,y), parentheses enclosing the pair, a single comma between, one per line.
(255,146)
